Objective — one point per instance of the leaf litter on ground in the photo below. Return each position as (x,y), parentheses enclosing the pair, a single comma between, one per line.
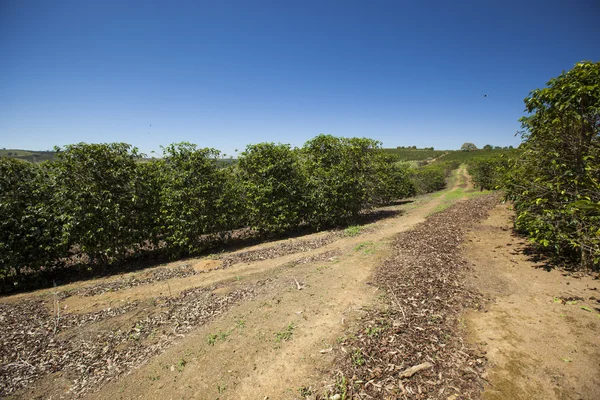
(419,351)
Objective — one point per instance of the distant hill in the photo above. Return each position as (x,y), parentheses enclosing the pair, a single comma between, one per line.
(40,156)
(28,155)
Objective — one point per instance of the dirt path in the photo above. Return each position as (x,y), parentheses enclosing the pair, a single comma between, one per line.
(541,328)
(278,343)
(261,324)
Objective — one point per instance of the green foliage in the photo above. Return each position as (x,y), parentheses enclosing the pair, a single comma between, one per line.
(97,198)
(285,334)
(353,230)
(468,147)
(432,177)
(410,154)
(465,157)
(30,219)
(391,180)
(555,183)
(488,172)
(273,186)
(102,204)
(148,184)
(339,174)
(192,202)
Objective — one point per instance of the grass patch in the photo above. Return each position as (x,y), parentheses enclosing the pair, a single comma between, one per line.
(450,198)
(366,248)
(285,334)
(353,230)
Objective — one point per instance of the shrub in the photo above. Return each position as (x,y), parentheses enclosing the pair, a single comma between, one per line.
(273,187)
(337,172)
(98,203)
(488,172)
(432,177)
(30,219)
(191,199)
(555,183)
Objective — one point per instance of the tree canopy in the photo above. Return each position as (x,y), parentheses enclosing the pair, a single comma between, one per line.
(556,182)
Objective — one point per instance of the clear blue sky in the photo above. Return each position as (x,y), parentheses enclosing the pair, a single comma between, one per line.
(225,74)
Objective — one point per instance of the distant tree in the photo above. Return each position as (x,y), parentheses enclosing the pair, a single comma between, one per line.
(468,147)
(414,147)
(10,153)
(487,147)
(510,147)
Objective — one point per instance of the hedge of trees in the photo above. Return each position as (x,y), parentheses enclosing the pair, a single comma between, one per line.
(102,203)
(432,177)
(554,178)
(555,184)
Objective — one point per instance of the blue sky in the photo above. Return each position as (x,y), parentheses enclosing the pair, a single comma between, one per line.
(224,74)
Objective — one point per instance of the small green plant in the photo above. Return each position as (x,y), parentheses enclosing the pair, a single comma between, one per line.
(342,386)
(358,358)
(240,323)
(286,334)
(212,339)
(221,388)
(181,364)
(373,331)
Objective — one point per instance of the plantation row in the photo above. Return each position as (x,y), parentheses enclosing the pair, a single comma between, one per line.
(100,202)
(554,178)
(410,154)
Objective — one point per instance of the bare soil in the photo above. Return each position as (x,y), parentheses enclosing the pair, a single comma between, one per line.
(540,326)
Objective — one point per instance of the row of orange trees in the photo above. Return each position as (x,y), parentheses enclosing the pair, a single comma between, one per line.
(105,203)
